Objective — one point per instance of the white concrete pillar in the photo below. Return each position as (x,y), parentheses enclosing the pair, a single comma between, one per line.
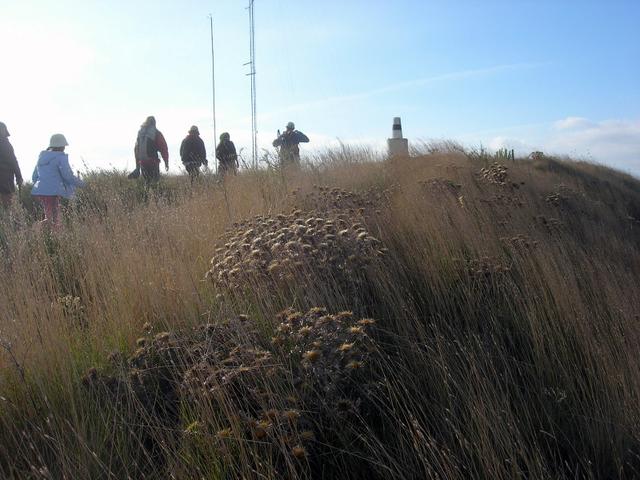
(396,131)
(398,146)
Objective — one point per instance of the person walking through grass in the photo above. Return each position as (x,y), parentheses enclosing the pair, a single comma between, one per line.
(53,179)
(226,155)
(193,153)
(149,142)
(9,169)
(288,142)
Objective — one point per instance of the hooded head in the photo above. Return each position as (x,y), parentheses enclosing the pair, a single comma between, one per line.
(291,126)
(194,130)
(150,122)
(3,130)
(224,137)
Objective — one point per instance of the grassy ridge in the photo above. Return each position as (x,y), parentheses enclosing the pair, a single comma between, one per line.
(505,344)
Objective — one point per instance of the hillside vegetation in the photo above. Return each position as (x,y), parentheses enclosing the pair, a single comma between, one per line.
(442,316)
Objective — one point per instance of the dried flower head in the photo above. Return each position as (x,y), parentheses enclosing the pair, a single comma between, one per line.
(291,415)
(366,321)
(162,337)
(299,452)
(304,331)
(346,347)
(312,355)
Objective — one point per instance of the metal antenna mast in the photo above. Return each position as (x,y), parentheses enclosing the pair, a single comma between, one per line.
(213,91)
(252,74)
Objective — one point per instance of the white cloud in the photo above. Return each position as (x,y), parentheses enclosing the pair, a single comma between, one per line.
(520,146)
(612,142)
(615,143)
(419,82)
(572,123)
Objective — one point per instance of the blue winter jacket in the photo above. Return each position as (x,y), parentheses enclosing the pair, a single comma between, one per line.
(53,175)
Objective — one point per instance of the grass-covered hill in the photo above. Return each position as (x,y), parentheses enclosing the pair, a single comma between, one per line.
(444,316)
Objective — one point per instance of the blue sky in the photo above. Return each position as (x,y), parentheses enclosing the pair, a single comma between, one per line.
(560,76)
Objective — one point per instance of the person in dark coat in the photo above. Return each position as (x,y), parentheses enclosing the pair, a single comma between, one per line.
(9,169)
(193,153)
(226,155)
(289,152)
(149,142)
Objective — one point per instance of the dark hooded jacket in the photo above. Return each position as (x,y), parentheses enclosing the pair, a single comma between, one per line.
(290,139)
(193,151)
(226,153)
(288,142)
(9,169)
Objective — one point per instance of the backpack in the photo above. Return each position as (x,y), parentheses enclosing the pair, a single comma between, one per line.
(146,144)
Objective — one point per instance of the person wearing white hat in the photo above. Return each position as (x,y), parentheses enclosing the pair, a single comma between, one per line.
(9,169)
(53,178)
(288,142)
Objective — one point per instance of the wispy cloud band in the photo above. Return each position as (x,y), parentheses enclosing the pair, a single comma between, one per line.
(418,82)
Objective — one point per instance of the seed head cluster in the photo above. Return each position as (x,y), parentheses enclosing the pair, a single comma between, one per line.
(562,196)
(292,248)
(496,174)
(287,399)
(330,199)
(73,310)
(325,344)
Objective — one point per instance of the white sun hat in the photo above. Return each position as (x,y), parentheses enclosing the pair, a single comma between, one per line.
(57,141)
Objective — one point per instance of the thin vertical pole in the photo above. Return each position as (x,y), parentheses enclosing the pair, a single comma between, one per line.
(252,73)
(213,93)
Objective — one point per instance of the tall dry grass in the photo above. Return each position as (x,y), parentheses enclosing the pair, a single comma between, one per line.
(506,308)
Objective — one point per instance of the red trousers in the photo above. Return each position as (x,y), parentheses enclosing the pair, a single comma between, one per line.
(51,206)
